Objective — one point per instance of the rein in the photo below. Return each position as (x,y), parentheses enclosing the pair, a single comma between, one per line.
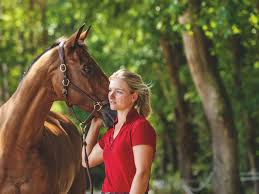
(84,125)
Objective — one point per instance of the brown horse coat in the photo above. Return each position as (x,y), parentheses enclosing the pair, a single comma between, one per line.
(40,151)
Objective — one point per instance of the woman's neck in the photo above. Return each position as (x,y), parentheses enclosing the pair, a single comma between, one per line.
(122,115)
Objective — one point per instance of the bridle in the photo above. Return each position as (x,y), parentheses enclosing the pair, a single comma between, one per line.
(98,105)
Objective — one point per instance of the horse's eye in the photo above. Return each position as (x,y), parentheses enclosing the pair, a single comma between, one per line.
(87,69)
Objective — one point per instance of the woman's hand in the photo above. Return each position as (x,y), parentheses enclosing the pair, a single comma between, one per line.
(91,140)
(96,123)
(96,157)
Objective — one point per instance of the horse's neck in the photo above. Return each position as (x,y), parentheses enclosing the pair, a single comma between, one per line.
(23,115)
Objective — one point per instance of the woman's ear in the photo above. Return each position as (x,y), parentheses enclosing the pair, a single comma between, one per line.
(134,96)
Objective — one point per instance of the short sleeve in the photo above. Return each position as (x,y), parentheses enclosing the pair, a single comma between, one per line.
(102,143)
(143,134)
(103,140)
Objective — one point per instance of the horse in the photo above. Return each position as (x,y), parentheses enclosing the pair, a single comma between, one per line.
(40,151)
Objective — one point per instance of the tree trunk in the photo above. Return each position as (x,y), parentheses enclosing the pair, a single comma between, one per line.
(251,150)
(43,7)
(1,86)
(4,83)
(185,135)
(31,9)
(168,145)
(217,109)
(250,126)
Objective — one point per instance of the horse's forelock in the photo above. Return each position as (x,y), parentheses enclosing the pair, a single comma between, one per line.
(59,40)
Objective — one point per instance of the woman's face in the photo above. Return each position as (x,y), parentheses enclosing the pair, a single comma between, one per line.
(120,96)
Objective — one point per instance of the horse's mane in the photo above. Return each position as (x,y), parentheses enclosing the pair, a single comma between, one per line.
(57,42)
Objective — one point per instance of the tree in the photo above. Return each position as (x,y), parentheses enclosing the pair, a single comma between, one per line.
(215,102)
(185,134)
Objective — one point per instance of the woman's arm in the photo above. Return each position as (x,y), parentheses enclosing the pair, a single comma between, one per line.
(93,150)
(143,157)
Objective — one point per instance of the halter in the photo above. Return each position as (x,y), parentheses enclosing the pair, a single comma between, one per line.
(98,105)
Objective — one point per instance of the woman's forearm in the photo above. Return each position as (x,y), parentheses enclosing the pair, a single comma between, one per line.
(91,139)
(90,142)
(140,183)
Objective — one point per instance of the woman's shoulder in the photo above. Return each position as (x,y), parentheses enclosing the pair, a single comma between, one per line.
(141,122)
(108,132)
(143,133)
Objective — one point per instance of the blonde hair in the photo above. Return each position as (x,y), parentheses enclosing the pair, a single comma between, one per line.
(136,84)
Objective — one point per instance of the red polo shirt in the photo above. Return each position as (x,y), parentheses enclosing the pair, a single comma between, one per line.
(118,153)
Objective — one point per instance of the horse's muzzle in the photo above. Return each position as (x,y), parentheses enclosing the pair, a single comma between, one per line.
(108,115)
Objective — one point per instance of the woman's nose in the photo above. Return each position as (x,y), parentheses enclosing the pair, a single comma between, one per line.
(111,95)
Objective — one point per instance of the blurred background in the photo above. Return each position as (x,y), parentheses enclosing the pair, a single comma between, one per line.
(201,57)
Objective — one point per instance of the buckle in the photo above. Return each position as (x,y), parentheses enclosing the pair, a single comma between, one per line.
(65,82)
(98,106)
(63,67)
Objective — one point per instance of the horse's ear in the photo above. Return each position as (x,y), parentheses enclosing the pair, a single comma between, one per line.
(84,35)
(78,35)
(73,40)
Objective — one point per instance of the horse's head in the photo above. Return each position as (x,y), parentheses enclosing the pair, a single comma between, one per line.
(78,79)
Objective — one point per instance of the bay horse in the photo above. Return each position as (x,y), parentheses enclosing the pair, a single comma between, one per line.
(40,151)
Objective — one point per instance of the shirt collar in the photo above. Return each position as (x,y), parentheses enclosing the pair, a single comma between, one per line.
(132,114)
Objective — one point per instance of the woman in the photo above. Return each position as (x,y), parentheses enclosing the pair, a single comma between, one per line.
(128,148)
